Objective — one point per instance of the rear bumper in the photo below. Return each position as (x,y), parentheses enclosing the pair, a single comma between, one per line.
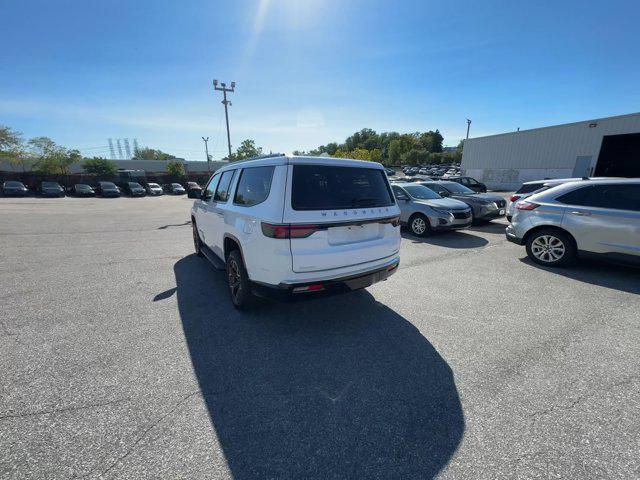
(290,291)
(512,235)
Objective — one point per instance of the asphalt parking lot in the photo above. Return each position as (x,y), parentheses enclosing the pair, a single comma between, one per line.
(122,358)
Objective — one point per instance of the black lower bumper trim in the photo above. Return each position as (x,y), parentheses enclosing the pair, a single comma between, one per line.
(285,292)
(516,240)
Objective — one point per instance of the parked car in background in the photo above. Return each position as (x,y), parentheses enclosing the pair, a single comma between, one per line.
(51,189)
(134,189)
(193,190)
(290,226)
(82,190)
(174,189)
(484,206)
(537,186)
(424,211)
(599,218)
(468,182)
(108,189)
(13,188)
(390,171)
(154,189)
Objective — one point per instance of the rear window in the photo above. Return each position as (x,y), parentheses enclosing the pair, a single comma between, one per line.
(529,187)
(324,187)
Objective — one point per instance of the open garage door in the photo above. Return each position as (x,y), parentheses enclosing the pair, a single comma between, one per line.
(619,156)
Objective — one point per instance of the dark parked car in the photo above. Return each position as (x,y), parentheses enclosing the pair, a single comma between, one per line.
(14,189)
(51,189)
(193,190)
(469,182)
(484,206)
(174,189)
(108,189)
(83,190)
(134,189)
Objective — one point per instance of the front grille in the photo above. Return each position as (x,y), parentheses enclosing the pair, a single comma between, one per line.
(462,215)
(501,203)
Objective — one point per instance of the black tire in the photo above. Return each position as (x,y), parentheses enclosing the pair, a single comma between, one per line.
(550,247)
(239,285)
(419,225)
(197,243)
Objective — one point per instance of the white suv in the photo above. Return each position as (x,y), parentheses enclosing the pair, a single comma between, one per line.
(285,226)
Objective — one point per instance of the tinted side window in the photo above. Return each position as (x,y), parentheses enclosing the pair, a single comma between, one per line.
(254,185)
(222,192)
(575,197)
(211,187)
(619,197)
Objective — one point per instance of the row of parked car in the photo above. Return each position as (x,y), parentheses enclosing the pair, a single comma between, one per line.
(13,188)
(428,205)
(436,171)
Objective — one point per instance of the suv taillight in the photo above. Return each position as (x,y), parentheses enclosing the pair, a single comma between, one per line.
(272,230)
(526,206)
(515,198)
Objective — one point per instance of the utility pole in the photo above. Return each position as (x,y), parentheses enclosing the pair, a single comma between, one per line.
(206,149)
(468,126)
(223,88)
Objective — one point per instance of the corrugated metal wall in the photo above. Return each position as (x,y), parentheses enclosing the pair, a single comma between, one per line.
(545,148)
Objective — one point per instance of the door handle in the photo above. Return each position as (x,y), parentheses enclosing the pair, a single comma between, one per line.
(580,214)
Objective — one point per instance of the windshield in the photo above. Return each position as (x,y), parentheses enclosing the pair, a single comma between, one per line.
(13,184)
(82,186)
(134,185)
(421,192)
(176,185)
(107,185)
(50,185)
(154,185)
(454,187)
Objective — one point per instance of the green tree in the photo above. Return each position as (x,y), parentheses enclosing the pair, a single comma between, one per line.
(431,141)
(146,153)
(100,166)
(51,158)
(247,149)
(12,148)
(176,170)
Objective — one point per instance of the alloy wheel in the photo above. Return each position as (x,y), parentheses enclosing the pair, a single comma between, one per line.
(418,226)
(235,284)
(548,248)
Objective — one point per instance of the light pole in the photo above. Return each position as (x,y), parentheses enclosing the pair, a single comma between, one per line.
(223,88)
(206,150)
(468,126)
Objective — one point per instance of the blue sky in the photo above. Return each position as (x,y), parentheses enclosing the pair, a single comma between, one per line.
(309,72)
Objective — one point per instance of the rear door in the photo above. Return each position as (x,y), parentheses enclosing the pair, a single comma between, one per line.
(604,218)
(350,211)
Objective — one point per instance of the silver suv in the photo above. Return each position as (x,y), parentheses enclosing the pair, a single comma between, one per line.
(423,210)
(590,218)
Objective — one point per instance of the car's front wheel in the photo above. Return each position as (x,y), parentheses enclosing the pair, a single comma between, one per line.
(239,284)
(419,225)
(550,247)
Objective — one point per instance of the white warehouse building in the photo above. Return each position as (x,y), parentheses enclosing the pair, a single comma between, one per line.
(601,147)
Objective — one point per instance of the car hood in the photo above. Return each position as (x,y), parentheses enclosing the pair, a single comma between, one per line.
(445,203)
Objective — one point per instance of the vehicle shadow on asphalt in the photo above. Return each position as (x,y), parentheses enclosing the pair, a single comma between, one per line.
(603,274)
(337,387)
(489,227)
(455,239)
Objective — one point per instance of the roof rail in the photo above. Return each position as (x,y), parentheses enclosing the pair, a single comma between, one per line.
(258,157)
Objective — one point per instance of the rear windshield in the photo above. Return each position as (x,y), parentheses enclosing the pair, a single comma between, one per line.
(324,187)
(529,187)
